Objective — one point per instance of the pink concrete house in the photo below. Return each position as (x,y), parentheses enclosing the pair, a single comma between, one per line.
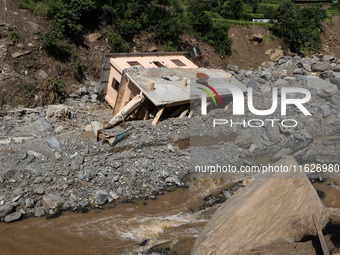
(118,88)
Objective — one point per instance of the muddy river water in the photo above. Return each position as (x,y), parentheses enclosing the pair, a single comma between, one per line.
(174,218)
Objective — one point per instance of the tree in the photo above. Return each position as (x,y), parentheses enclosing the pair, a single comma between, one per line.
(233,9)
(299,27)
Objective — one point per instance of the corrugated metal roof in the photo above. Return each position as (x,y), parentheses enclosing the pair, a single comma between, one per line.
(171,91)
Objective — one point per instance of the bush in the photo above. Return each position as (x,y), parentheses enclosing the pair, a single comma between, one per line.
(117,43)
(171,47)
(56,44)
(335,6)
(53,91)
(14,35)
(168,19)
(233,9)
(77,68)
(45,8)
(220,40)
(269,12)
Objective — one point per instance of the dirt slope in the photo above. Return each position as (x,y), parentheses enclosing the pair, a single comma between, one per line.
(21,77)
(331,38)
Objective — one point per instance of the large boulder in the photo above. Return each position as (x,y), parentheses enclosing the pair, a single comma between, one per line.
(233,68)
(13,217)
(321,67)
(257,38)
(276,55)
(56,112)
(336,68)
(53,201)
(273,207)
(328,58)
(6,209)
(95,126)
(95,37)
(40,127)
(321,86)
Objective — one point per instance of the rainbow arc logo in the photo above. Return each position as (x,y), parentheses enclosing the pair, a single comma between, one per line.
(203,80)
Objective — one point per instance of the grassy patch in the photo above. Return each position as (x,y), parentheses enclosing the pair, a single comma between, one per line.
(268,38)
(14,35)
(53,91)
(271,2)
(44,8)
(331,12)
(243,23)
(255,15)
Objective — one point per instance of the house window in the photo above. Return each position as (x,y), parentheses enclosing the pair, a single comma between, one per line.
(178,62)
(115,85)
(134,63)
(158,64)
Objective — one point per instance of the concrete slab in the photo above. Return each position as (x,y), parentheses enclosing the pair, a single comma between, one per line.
(172,91)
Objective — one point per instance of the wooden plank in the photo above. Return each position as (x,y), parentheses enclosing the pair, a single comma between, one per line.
(122,86)
(191,113)
(228,105)
(126,111)
(178,103)
(183,114)
(158,116)
(128,105)
(126,95)
(321,238)
(146,116)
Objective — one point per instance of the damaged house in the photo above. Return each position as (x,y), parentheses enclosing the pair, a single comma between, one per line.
(147,84)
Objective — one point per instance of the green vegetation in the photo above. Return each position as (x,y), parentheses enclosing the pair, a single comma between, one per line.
(14,35)
(53,91)
(300,27)
(245,23)
(268,38)
(45,8)
(335,6)
(117,43)
(19,93)
(207,19)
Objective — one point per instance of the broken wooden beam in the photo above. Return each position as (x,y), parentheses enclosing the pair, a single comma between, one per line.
(158,116)
(183,114)
(126,111)
(112,139)
(321,238)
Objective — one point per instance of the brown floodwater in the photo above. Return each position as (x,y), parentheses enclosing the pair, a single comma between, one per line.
(332,197)
(174,217)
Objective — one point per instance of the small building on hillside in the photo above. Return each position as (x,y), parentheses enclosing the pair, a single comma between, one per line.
(114,83)
(144,82)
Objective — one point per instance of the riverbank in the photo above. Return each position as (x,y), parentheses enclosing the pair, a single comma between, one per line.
(51,161)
